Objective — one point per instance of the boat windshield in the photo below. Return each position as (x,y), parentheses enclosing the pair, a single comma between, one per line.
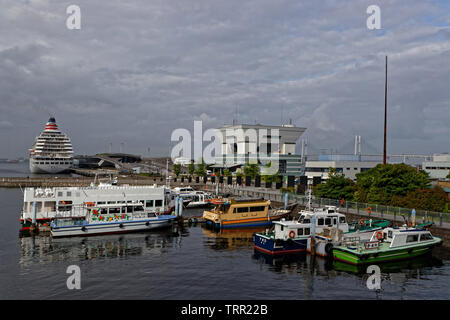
(223,207)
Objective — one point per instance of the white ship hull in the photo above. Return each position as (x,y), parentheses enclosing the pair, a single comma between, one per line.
(121,226)
(52,167)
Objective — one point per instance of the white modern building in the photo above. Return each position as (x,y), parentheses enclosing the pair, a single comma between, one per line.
(261,144)
(348,165)
(439,168)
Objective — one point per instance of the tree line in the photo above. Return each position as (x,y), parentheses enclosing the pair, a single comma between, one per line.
(397,185)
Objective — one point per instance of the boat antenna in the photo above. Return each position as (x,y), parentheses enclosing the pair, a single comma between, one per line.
(309,196)
(385,115)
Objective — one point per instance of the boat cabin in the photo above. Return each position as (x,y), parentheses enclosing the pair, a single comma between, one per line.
(232,209)
(398,237)
(323,218)
(284,230)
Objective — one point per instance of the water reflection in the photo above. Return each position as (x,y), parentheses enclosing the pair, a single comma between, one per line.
(301,263)
(229,239)
(45,249)
(410,267)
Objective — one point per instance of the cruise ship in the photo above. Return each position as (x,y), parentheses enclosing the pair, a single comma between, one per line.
(52,150)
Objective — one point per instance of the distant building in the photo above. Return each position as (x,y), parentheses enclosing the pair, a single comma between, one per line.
(182,161)
(439,167)
(348,165)
(267,143)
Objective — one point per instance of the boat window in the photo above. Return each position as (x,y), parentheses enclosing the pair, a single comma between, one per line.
(60,194)
(101,202)
(389,234)
(300,231)
(306,221)
(158,203)
(69,193)
(114,210)
(129,209)
(64,205)
(254,209)
(320,222)
(412,238)
(327,221)
(242,209)
(111,202)
(138,208)
(307,231)
(425,237)
(282,227)
(151,215)
(103,211)
(341,219)
(149,203)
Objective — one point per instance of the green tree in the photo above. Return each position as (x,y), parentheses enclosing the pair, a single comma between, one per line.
(201,168)
(252,170)
(448,176)
(270,177)
(433,199)
(227,172)
(191,168)
(381,183)
(176,169)
(337,186)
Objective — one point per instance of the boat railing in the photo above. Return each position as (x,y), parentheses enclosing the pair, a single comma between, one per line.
(352,242)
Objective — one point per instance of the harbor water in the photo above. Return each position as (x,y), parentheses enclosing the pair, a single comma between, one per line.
(192,263)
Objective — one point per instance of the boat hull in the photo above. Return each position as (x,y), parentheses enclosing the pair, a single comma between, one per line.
(340,254)
(271,246)
(255,222)
(121,226)
(52,167)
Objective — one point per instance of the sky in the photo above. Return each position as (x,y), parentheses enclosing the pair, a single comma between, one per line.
(137,70)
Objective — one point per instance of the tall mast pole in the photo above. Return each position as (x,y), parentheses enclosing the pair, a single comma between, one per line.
(385,115)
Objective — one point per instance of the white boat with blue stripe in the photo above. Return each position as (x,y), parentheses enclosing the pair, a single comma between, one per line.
(110,219)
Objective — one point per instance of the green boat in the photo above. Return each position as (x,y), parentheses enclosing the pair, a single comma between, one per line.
(389,244)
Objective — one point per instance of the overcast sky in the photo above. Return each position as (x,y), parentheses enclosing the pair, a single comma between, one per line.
(138,69)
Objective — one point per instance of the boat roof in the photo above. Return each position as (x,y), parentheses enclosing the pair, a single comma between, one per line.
(246,200)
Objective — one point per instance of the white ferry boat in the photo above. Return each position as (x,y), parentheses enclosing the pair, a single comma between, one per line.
(110,219)
(52,151)
(44,205)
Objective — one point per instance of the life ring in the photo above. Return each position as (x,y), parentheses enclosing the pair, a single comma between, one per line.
(369,210)
(292,234)
(362,222)
(379,235)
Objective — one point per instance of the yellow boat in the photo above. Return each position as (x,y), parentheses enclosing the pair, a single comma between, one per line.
(230,213)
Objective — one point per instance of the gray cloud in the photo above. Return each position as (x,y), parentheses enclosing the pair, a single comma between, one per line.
(139,69)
